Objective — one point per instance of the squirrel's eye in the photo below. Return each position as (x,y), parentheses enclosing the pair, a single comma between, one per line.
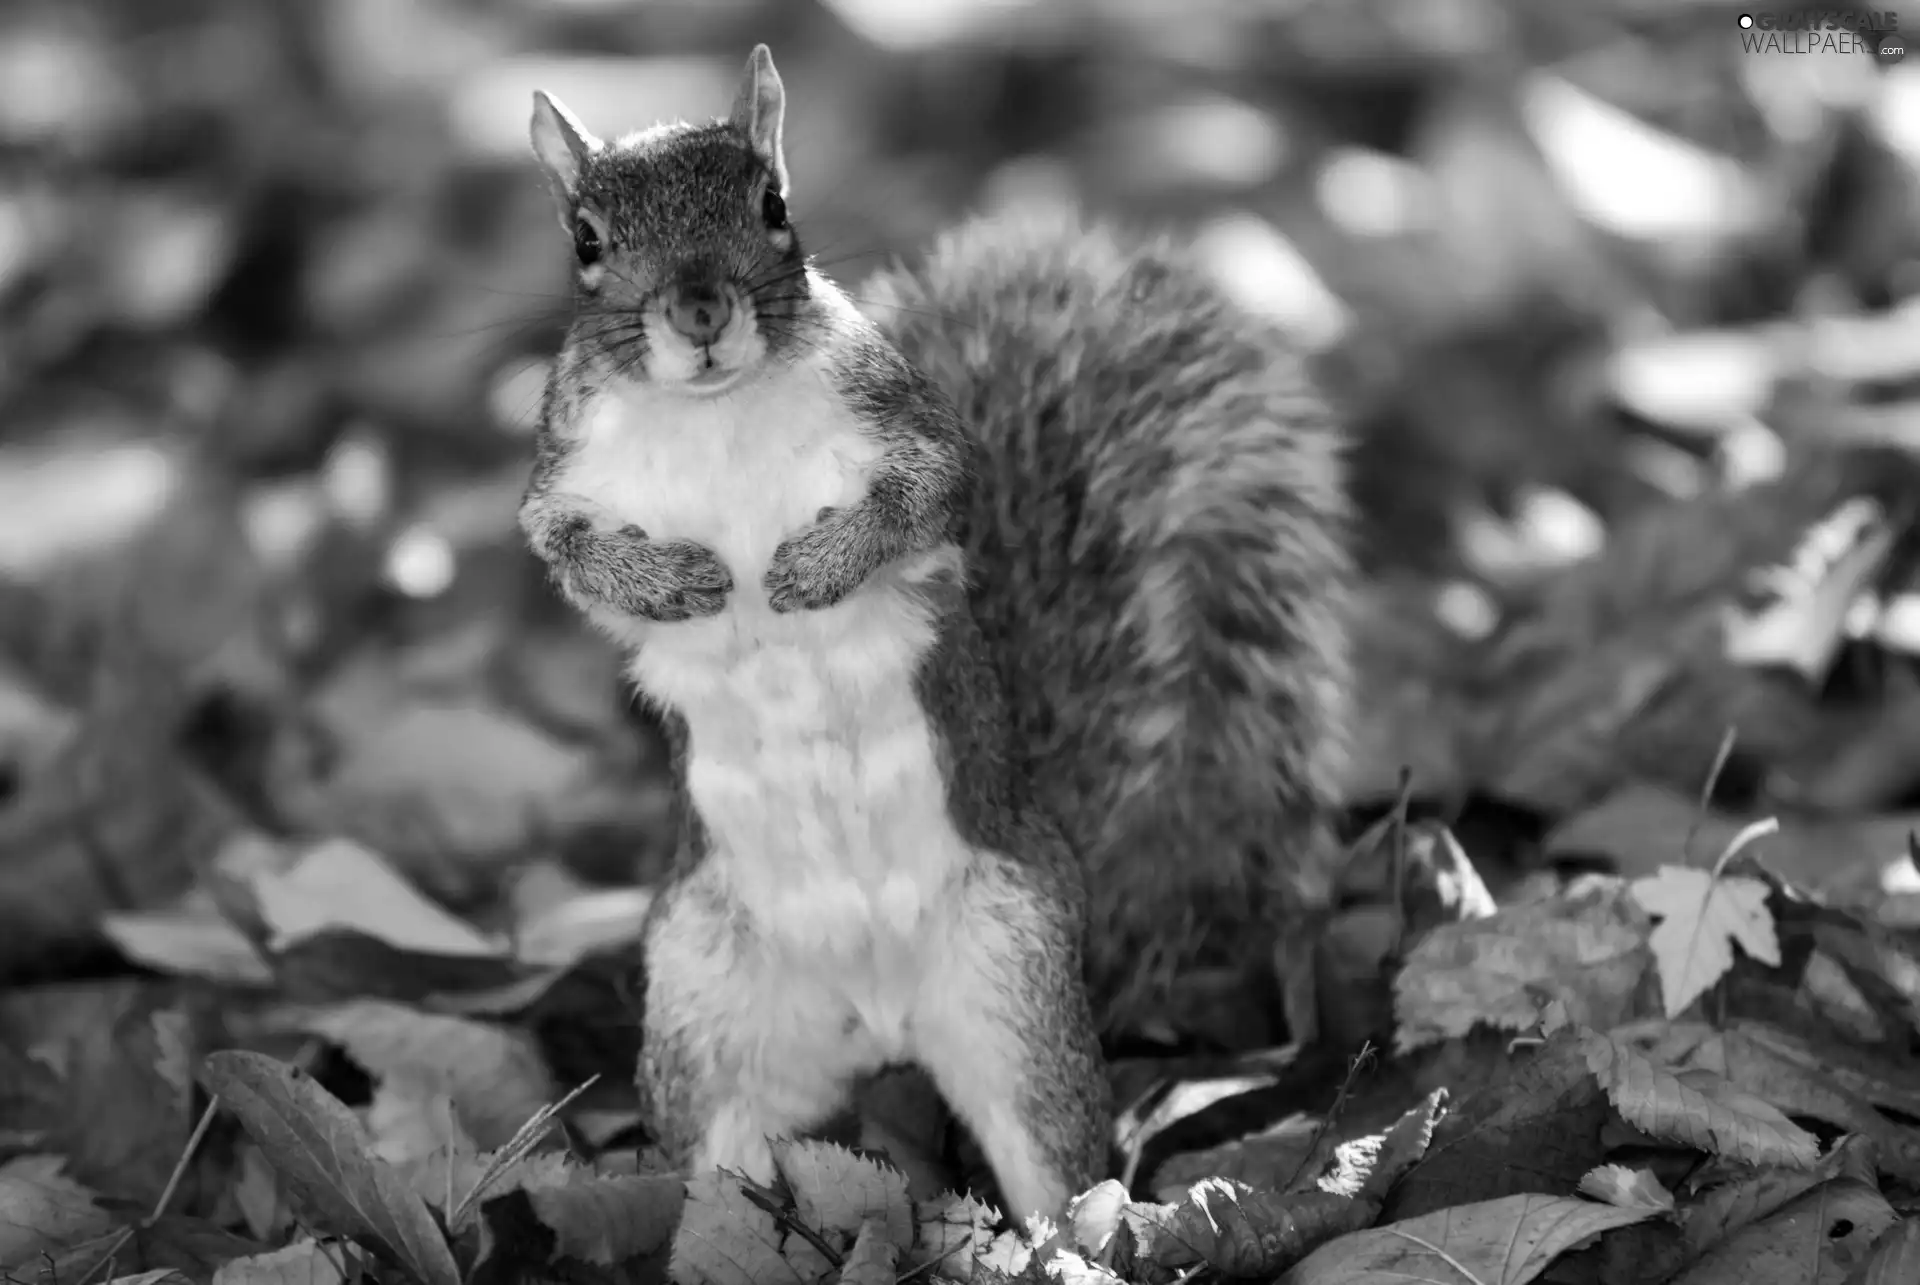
(586,242)
(773,208)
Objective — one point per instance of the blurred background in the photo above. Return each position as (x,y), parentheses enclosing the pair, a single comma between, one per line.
(1626,315)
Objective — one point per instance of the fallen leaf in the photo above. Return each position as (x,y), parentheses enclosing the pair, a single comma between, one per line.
(560,935)
(609,1220)
(129,1103)
(1895,1259)
(188,939)
(337,884)
(726,1239)
(835,1189)
(494,1073)
(472,774)
(1701,917)
(1627,1188)
(1586,949)
(305,1262)
(953,1232)
(1816,1238)
(1697,1108)
(323,1154)
(1534,1124)
(1511,1240)
(874,1252)
(42,1210)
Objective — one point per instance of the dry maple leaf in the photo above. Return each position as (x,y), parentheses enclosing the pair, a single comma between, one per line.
(1701,917)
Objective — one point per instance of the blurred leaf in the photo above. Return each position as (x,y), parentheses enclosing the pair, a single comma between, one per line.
(494,1074)
(43,1210)
(129,1102)
(338,884)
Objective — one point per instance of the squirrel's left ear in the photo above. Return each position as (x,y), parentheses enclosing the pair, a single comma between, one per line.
(562,145)
(759,108)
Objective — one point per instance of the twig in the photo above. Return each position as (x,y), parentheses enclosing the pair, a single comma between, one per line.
(791,1223)
(1358,1060)
(166,1194)
(931,1263)
(1403,800)
(1720,758)
(1758,830)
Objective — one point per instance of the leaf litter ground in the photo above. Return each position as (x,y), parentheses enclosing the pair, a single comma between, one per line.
(324,834)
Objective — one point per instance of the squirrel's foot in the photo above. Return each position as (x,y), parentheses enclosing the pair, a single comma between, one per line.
(660,580)
(820,566)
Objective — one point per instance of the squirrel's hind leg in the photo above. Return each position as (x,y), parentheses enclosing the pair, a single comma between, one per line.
(736,1052)
(1006,1032)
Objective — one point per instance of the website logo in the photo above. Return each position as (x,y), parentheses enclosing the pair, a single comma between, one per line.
(1875,32)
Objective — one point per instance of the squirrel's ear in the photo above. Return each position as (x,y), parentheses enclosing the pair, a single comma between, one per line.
(562,145)
(759,108)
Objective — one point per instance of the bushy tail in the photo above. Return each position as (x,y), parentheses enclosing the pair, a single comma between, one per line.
(1160,560)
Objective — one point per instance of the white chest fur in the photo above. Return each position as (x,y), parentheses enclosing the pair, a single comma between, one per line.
(812,762)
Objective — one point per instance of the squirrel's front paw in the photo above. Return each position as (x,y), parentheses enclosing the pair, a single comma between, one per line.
(661,580)
(817,568)
(692,582)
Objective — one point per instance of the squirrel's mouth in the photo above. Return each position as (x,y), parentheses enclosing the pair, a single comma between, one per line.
(714,377)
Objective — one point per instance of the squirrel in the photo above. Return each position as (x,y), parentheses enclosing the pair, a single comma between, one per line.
(996,632)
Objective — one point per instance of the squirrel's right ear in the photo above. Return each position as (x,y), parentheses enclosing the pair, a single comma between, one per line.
(562,145)
(759,108)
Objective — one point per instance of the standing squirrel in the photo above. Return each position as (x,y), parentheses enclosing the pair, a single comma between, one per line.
(997,638)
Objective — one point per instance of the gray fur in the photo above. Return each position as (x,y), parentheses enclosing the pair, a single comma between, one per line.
(1159,553)
(913,494)
(1139,687)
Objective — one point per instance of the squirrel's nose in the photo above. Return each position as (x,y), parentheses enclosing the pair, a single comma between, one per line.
(698,313)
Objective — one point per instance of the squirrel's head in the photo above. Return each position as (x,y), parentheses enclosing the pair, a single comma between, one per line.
(688,273)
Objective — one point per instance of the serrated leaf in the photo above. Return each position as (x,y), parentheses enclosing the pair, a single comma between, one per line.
(1701,919)
(495,1074)
(325,1158)
(41,1210)
(953,1231)
(1510,1240)
(726,1239)
(1696,1108)
(305,1262)
(153,1277)
(835,1189)
(609,1220)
